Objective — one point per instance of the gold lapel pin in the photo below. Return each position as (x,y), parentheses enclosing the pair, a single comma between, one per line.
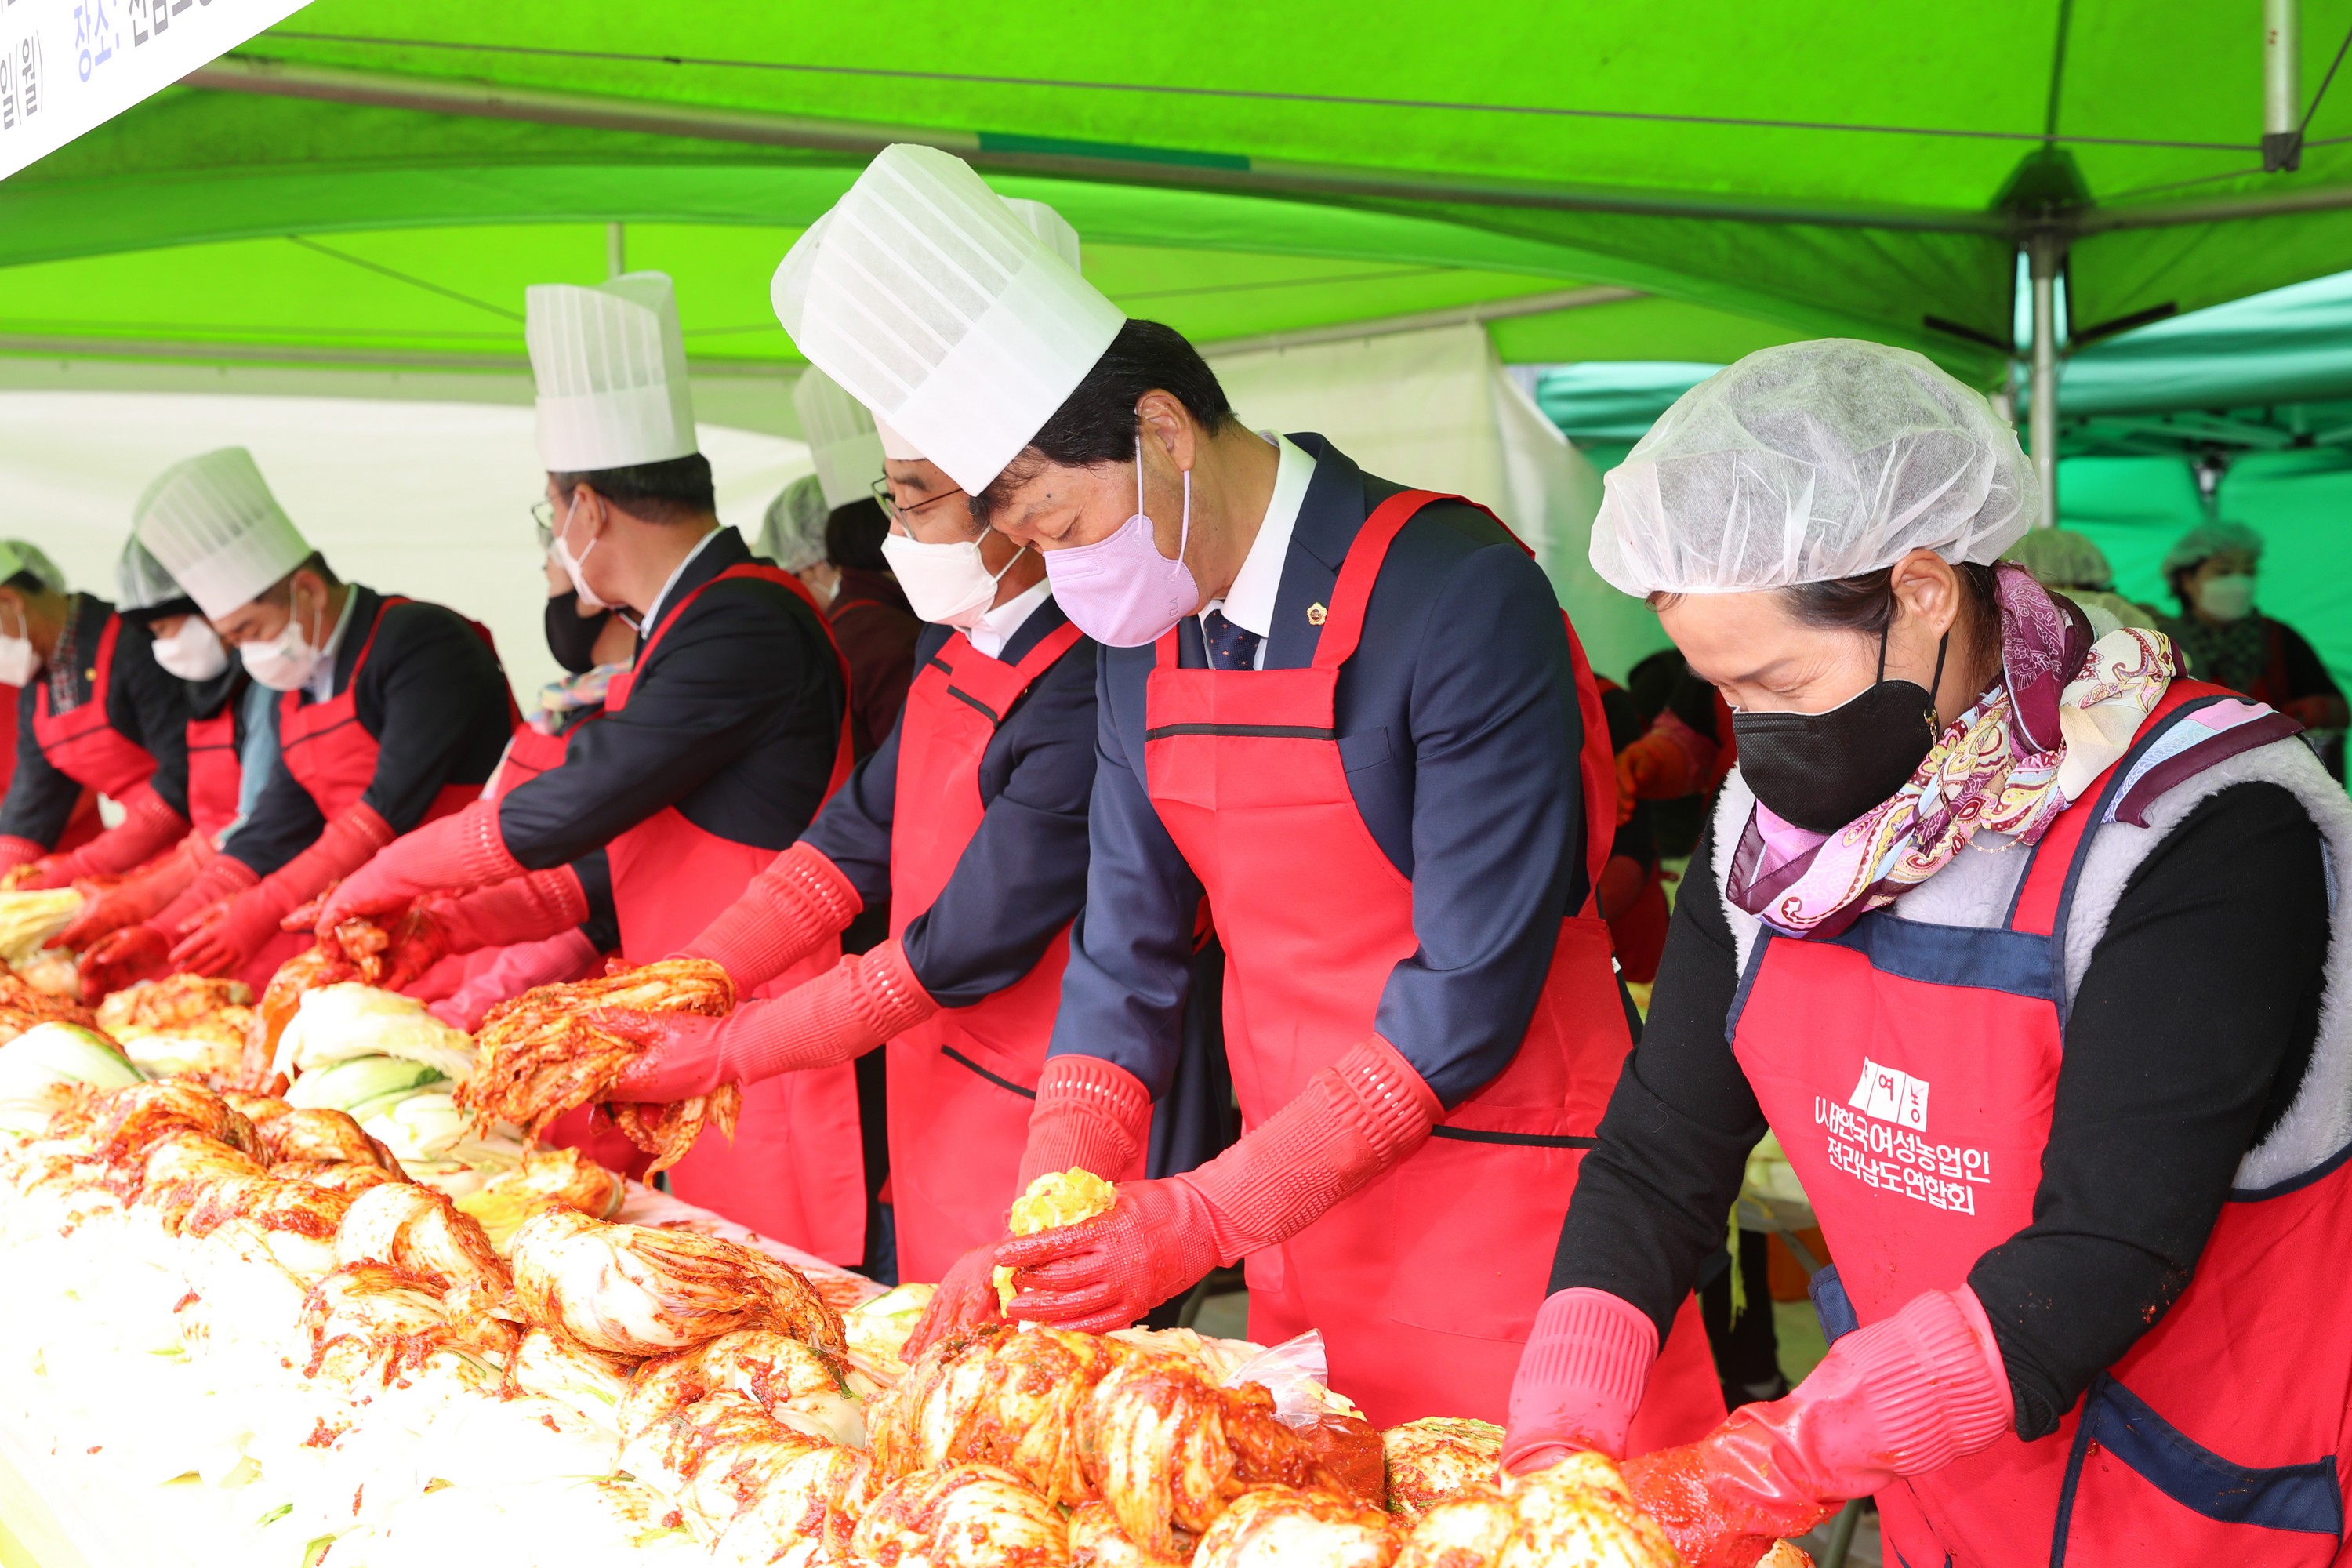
(1316,614)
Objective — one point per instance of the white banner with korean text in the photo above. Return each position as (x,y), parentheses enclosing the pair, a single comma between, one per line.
(66,65)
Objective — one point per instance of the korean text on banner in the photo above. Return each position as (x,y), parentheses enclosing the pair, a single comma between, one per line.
(69,65)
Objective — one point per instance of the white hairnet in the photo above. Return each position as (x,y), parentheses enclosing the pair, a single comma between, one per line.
(2062,558)
(21,555)
(2210,539)
(793,535)
(1810,462)
(140,581)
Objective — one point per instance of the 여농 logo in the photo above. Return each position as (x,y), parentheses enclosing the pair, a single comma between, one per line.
(1891,1095)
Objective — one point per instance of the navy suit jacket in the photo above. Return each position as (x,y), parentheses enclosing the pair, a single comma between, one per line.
(1458,725)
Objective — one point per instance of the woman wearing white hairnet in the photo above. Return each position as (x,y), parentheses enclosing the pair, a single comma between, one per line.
(2211,570)
(2021,943)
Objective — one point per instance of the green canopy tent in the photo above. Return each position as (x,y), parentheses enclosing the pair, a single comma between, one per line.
(371,181)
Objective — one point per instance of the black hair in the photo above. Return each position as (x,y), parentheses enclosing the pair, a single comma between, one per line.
(1652,682)
(676,489)
(1864,605)
(26,583)
(314,564)
(853,534)
(1097,423)
(147,615)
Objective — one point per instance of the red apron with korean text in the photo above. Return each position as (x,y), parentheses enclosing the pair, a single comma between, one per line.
(82,744)
(796,1170)
(1910,1071)
(1425,1283)
(963,1082)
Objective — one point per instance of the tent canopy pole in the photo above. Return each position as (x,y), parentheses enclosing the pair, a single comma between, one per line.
(2045,253)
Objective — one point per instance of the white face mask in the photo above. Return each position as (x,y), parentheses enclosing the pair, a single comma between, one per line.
(19,660)
(193,652)
(285,662)
(572,566)
(947,584)
(2227,598)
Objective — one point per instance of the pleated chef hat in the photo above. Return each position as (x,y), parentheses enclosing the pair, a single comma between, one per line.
(1049,227)
(140,581)
(940,311)
(212,523)
(610,363)
(1808,462)
(841,437)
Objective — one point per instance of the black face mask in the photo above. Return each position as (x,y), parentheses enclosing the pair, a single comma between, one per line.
(1821,771)
(570,635)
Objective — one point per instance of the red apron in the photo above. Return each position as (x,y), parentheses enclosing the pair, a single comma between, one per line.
(215,772)
(1910,1071)
(794,1170)
(1425,1283)
(530,753)
(330,751)
(82,744)
(963,1083)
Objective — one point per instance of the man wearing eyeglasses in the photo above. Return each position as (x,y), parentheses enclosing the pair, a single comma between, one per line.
(712,754)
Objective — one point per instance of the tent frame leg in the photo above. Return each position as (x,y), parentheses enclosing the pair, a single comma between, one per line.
(2046,253)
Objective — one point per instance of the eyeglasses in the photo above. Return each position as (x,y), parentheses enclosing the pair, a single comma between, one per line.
(543,514)
(896,513)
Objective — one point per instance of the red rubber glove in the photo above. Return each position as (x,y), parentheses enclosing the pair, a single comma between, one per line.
(529,908)
(1091,1115)
(225,942)
(1355,1120)
(450,854)
(148,827)
(139,898)
(567,955)
(1897,1398)
(16,852)
(786,913)
(839,1016)
(1579,1380)
(122,958)
(1668,762)
(224,877)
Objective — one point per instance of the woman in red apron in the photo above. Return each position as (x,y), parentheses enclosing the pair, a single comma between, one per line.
(965,989)
(218,694)
(2022,945)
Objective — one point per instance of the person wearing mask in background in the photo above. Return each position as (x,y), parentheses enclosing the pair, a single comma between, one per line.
(2227,641)
(95,712)
(871,619)
(2021,943)
(712,754)
(390,713)
(970,824)
(2071,564)
(232,748)
(481,961)
(1307,768)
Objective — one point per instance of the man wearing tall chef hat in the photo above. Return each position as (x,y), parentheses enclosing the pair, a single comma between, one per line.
(1353,715)
(970,824)
(94,713)
(391,711)
(713,753)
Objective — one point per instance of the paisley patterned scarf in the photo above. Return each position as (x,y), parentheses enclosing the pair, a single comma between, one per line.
(2065,709)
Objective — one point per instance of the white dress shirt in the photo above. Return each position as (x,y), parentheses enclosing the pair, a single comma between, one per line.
(997,626)
(322,684)
(653,611)
(1249,602)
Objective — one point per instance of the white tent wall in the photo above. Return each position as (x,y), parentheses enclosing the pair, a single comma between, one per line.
(426,498)
(1435,408)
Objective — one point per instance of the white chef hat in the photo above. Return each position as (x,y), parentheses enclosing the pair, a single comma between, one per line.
(1809,462)
(841,437)
(212,523)
(610,363)
(21,555)
(932,304)
(1050,226)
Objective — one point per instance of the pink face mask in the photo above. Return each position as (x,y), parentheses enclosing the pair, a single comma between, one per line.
(1120,591)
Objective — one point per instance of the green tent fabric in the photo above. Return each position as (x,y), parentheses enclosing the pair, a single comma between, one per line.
(2300,502)
(377,178)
